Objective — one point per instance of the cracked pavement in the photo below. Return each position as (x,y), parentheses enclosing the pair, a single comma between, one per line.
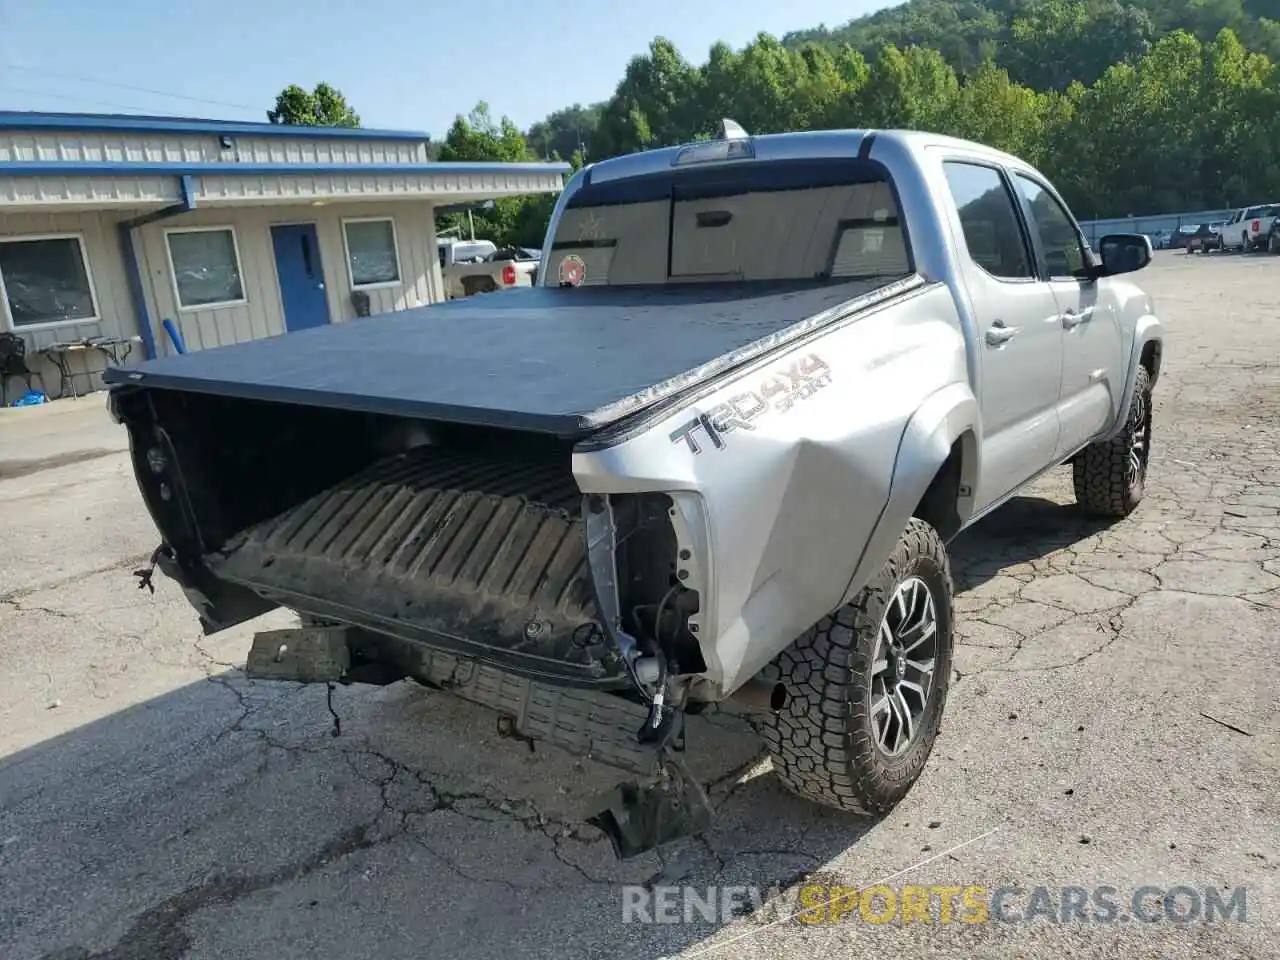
(1113,721)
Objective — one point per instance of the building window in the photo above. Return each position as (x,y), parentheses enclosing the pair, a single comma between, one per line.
(206,267)
(372,258)
(46,281)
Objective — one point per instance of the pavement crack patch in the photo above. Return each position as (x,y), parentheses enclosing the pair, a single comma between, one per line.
(214,661)
(731,780)
(242,699)
(21,592)
(480,806)
(159,933)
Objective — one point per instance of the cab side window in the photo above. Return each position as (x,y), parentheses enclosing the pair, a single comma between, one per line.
(989,220)
(1055,229)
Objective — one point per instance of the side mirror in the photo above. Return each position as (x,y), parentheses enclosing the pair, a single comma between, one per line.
(1123,253)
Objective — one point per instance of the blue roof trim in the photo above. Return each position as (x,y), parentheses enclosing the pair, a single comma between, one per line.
(94,168)
(124,123)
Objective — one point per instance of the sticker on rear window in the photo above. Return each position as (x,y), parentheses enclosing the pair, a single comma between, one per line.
(573,270)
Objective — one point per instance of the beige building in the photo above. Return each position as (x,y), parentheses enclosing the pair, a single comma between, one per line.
(112,225)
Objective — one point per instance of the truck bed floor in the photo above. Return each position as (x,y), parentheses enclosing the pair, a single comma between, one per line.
(468,554)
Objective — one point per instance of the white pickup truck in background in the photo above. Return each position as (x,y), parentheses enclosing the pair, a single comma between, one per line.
(1249,228)
(469,267)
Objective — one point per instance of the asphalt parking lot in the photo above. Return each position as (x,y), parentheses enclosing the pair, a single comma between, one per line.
(1113,722)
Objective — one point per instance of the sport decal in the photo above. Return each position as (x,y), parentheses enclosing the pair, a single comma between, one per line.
(777,393)
(573,270)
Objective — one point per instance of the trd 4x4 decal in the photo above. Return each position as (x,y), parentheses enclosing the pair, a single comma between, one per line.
(777,393)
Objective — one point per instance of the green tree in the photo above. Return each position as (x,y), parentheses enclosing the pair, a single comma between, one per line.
(325,106)
(655,105)
(1054,42)
(1130,106)
(992,109)
(564,132)
(914,89)
(478,137)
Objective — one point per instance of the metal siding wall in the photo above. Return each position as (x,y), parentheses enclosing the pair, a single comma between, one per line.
(262,315)
(98,191)
(342,187)
(436,279)
(202,148)
(415,241)
(88,146)
(259,316)
(287,150)
(110,286)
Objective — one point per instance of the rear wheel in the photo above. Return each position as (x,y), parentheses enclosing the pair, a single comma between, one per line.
(1110,476)
(866,686)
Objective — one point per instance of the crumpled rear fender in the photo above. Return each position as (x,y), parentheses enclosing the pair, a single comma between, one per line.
(779,476)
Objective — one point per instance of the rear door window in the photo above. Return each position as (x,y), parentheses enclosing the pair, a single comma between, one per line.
(989,220)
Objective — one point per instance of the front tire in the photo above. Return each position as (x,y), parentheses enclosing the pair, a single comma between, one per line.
(866,686)
(1110,476)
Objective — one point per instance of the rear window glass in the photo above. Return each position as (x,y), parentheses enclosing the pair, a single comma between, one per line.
(771,221)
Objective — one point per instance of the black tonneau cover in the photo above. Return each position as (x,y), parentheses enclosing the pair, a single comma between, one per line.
(549,360)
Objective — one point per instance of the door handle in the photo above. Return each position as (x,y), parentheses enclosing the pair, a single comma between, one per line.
(998,334)
(1071,319)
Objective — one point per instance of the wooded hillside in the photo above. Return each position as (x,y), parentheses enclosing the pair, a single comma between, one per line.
(1142,107)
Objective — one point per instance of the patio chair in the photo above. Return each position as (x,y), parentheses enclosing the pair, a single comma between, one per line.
(13,363)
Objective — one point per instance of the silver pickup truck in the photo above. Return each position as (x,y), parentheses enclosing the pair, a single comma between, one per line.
(715,455)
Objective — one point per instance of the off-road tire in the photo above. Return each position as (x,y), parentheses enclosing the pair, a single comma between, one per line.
(822,742)
(1105,485)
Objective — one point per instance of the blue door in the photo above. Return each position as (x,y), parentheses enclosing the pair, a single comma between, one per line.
(301,276)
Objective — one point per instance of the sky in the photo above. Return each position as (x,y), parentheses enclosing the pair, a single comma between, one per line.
(402,64)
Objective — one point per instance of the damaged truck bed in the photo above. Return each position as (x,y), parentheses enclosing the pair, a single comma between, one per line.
(411,473)
(717,455)
(405,483)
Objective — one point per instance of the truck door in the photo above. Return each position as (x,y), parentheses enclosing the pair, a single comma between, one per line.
(1092,371)
(1020,335)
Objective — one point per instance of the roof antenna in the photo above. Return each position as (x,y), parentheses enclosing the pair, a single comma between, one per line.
(732,130)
